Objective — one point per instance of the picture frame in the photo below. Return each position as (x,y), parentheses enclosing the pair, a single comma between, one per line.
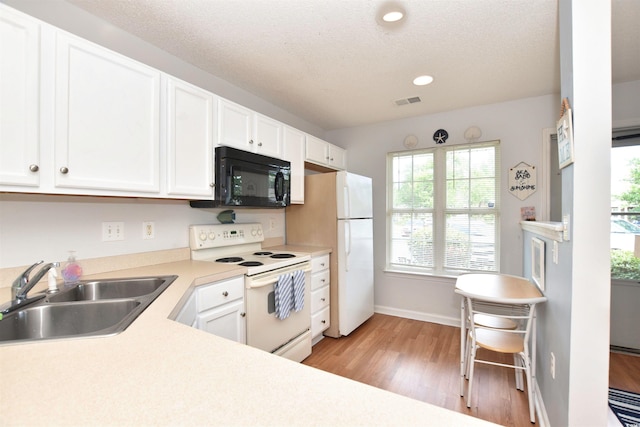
(564,128)
(537,262)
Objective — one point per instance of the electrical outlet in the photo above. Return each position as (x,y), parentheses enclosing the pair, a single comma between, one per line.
(112,231)
(148,230)
(553,365)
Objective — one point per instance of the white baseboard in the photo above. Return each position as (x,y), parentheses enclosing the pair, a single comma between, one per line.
(541,411)
(417,315)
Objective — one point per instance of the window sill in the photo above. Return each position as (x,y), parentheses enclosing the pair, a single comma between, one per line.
(419,274)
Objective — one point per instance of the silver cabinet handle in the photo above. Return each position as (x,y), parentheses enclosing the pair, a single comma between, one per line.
(322,264)
(251,141)
(225,294)
(34,168)
(322,299)
(323,321)
(212,185)
(259,144)
(243,314)
(64,170)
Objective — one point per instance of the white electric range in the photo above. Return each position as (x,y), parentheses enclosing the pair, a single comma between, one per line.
(241,244)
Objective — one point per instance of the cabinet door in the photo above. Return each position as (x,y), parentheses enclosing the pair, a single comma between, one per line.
(316,150)
(107,119)
(293,145)
(267,136)
(234,125)
(19,99)
(227,321)
(337,157)
(189,128)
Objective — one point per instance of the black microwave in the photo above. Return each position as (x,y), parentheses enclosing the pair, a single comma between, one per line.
(244,179)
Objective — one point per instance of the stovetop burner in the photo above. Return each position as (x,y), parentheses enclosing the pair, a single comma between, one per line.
(230,259)
(262,253)
(251,264)
(282,256)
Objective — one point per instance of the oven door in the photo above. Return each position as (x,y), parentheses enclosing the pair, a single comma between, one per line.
(264,330)
(251,180)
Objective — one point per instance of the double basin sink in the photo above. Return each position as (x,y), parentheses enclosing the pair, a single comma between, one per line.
(89,308)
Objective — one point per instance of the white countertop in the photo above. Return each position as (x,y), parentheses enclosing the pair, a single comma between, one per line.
(160,372)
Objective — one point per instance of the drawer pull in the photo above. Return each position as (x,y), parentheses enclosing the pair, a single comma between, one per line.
(64,170)
(225,294)
(322,299)
(34,168)
(323,321)
(243,314)
(322,264)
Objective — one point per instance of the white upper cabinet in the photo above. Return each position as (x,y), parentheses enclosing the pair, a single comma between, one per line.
(107,119)
(189,128)
(247,130)
(19,99)
(293,145)
(325,154)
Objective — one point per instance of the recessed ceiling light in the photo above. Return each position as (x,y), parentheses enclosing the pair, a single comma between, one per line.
(422,80)
(393,16)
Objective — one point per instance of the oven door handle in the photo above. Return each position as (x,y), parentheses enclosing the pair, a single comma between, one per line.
(273,278)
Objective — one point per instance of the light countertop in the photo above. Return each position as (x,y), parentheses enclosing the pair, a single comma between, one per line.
(161,372)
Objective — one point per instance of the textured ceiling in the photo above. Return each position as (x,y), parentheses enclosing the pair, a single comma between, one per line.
(331,62)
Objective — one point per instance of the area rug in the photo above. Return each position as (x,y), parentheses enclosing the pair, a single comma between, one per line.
(626,406)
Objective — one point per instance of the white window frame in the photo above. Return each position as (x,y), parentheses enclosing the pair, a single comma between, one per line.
(439,211)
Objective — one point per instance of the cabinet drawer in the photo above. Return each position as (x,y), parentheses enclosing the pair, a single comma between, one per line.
(318,280)
(319,299)
(319,263)
(213,295)
(320,322)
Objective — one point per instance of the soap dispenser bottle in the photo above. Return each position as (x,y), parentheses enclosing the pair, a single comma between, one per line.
(72,271)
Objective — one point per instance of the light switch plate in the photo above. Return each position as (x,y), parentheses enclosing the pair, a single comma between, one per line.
(566,220)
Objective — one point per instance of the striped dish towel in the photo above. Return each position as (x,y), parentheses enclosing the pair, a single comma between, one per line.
(298,290)
(283,293)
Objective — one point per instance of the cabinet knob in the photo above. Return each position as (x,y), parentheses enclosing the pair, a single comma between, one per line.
(322,280)
(212,185)
(323,321)
(322,299)
(34,168)
(243,314)
(64,170)
(322,264)
(259,144)
(225,294)
(251,141)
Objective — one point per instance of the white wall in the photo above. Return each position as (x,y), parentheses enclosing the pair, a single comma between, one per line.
(518,125)
(44,227)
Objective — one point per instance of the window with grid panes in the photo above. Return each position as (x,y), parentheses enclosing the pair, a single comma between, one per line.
(443,209)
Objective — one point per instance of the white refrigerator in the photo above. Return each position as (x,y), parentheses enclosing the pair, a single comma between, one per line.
(337,213)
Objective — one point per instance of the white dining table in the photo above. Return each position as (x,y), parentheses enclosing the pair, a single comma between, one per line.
(495,289)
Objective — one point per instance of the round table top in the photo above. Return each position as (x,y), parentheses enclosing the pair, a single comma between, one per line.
(501,288)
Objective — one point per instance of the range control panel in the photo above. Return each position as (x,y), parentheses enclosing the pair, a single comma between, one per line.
(221,235)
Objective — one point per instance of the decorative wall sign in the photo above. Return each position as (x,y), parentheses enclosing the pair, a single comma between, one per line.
(564,128)
(440,136)
(522,180)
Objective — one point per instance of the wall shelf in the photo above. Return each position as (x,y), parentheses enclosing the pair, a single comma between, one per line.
(550,230)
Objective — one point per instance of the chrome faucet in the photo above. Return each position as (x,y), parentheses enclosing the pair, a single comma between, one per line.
(23,284)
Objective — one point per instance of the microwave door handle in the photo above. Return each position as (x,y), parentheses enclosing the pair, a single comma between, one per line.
(279,186)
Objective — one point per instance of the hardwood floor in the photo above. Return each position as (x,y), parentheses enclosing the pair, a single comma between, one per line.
(421,360)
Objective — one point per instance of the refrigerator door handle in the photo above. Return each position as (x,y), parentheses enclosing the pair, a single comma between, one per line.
(347,244)
(347,201)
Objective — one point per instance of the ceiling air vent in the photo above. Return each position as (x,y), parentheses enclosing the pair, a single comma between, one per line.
(405,101)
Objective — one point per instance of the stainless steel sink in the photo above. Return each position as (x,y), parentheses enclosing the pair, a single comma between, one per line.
(90,308)
(67,320)
(109,289)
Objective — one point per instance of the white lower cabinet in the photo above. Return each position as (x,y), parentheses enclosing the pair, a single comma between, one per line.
(220,309)
(320,302)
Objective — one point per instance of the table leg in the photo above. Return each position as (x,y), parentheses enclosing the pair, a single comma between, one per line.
(463,341)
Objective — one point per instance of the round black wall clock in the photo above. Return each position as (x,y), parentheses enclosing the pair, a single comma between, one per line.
(440,136)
